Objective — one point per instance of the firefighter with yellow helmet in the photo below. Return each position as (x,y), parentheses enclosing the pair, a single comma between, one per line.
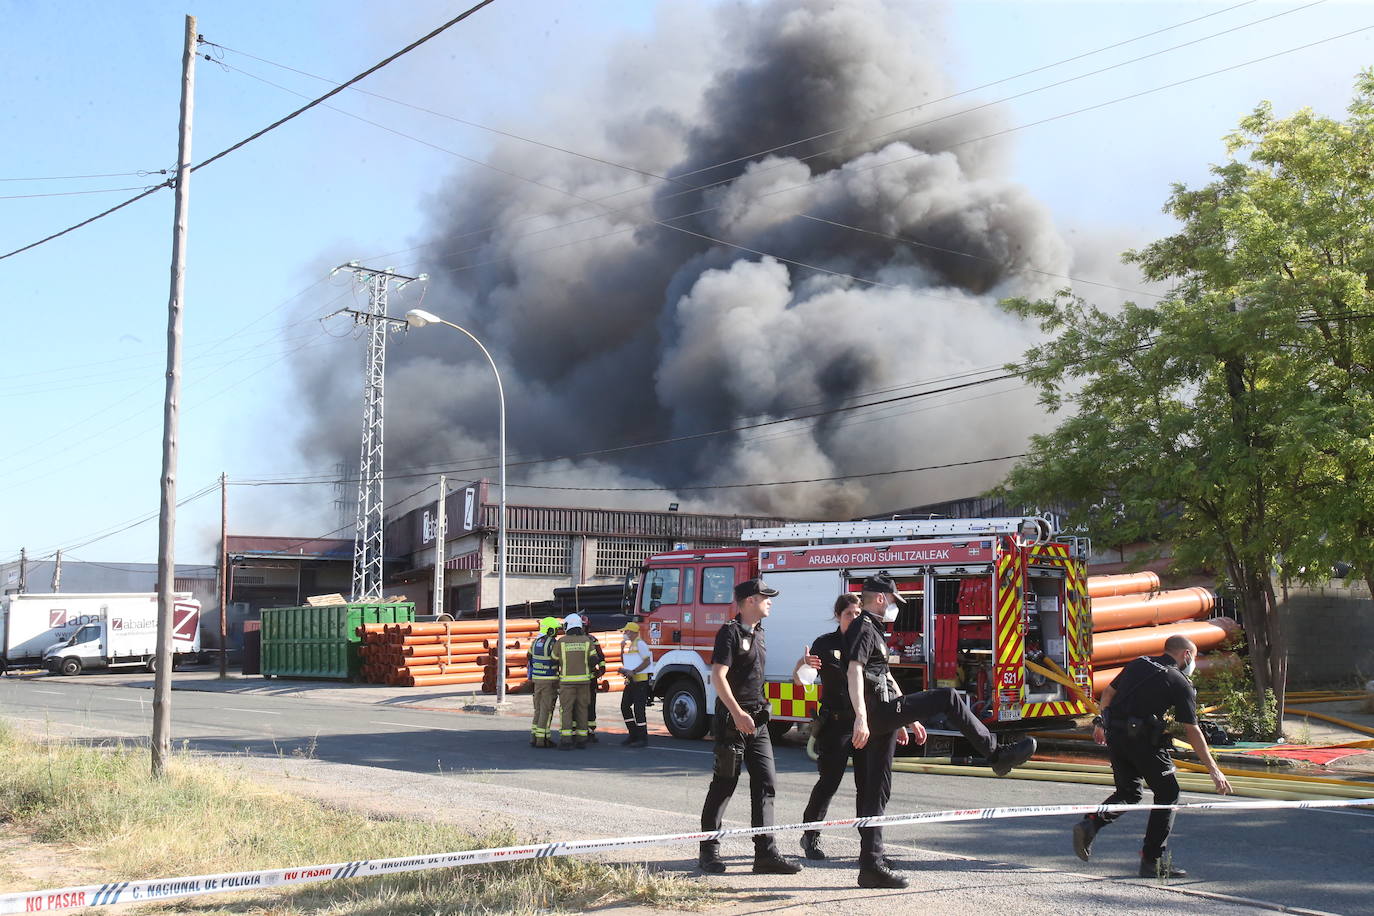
(543,669)
(577,658)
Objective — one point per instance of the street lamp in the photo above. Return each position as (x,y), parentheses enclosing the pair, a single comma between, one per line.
(418,318)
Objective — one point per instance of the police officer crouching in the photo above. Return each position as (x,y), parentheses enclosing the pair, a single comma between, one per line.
(1132,727)
(741,731)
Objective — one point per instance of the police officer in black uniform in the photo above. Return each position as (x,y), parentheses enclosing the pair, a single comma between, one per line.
(741,731)
(879,712)
(834,723)
(1132,727)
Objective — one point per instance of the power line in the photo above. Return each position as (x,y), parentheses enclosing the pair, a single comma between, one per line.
(269,128)
(66,193)
(141,173)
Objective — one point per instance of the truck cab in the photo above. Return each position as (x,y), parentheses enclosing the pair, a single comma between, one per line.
(684,598)
(83,649)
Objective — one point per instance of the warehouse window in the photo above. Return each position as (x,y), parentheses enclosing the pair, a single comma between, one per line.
(539,554)
(621,556)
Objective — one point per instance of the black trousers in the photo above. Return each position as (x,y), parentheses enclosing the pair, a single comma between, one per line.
(735,750)
(833,750)
(632,707)
(883,721)
(1134,762)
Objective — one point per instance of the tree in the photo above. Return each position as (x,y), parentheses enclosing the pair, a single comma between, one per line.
(1234,418)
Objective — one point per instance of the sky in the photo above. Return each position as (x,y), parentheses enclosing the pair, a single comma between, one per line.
(91,89)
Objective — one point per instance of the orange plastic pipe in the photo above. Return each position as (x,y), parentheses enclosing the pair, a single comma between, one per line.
(470,627)
(438,680)
(453,648)
(1104,676)
(1121,646)
(1215,661)
(1124,611)
(1126,584)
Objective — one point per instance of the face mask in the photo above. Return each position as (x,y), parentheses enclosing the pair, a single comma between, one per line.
(890,612)
(1191,667)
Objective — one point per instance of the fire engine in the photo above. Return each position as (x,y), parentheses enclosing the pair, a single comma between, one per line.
(983,597)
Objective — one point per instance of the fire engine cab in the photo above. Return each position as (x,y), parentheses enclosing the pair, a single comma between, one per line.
(984,597)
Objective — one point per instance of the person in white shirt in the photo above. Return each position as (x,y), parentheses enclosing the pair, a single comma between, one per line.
(635,662)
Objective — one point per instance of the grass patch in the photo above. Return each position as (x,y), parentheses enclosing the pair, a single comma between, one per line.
(202,819)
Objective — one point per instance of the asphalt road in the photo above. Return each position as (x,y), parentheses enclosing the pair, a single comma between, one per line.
(1318,859)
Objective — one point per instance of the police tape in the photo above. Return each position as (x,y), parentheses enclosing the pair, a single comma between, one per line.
(93,895)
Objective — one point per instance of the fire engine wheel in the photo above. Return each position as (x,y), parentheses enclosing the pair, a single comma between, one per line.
(70,666)
(684,710)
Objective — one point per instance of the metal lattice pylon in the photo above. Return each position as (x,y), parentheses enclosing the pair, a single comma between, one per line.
(369,547)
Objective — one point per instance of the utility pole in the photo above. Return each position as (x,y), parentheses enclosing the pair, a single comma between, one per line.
(23,570)
(57,573)
(368,541)
(440,531)
(223,576)
(166,528)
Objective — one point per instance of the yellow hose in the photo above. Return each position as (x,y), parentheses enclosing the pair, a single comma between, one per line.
(1290,711)
(1329,699)
(1187,781)
(1319,785)
(1058,676)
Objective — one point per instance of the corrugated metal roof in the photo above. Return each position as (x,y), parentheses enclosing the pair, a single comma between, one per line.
(625,522)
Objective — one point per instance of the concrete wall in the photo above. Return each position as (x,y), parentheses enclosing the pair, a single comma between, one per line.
(1330,632)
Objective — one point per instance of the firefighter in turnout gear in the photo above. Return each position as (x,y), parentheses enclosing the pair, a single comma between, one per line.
(576,661)
(544,677)
(598,670)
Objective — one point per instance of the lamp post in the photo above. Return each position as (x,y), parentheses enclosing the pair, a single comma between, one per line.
(418,318)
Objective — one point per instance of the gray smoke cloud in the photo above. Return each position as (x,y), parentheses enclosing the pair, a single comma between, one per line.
(628,309)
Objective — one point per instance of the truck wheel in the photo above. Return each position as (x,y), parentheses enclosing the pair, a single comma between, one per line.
(684,710)
(151,665)
(70,667)
(777,729)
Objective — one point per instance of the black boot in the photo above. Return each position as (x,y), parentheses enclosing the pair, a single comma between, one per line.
(881,876)
(709,861)
(772,863)
(1159,868)
(811,845)
(1083,833)
(1009,756)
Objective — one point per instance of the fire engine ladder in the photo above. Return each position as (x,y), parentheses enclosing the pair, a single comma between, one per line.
(1029,529)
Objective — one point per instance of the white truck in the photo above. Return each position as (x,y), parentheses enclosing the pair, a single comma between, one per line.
(70,633)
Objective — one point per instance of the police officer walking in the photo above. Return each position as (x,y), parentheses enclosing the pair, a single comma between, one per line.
(576,661)
(741,731)
(1132,727)
(879,712)
(543,671)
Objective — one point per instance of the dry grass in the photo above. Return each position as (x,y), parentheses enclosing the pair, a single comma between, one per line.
(200,820)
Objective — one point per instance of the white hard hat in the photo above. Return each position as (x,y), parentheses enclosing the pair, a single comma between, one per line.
(571,621)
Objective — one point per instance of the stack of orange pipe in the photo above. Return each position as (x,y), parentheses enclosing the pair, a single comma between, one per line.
(433,654)
(1131,617)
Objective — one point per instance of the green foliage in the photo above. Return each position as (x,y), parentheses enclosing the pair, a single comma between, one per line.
(1234,419)
(1247,718)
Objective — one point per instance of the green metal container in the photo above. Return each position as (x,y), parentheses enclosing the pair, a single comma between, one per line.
(321,642)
